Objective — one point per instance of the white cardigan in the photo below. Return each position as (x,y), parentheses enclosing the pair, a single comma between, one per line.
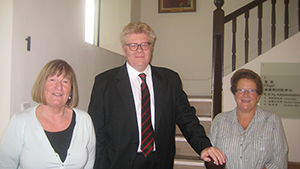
(24,144)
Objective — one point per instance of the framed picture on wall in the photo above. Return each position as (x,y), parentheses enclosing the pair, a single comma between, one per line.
(167,6)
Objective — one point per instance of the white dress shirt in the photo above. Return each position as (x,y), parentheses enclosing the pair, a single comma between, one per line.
(135,82)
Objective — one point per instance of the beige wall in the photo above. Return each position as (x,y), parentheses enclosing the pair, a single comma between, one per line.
(286,52)
(183,43)
(6,15)
(114,16)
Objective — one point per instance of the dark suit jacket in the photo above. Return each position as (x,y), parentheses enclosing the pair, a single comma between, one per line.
(113,112)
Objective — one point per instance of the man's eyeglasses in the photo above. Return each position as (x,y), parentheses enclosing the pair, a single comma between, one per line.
(135,46)
(250,91)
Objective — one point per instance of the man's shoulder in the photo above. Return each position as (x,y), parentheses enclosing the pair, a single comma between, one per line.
(163,70)
(109,73)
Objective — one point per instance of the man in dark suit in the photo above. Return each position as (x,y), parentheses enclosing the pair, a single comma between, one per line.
(118,109)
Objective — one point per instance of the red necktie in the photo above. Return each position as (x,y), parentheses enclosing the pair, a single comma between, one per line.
(147,130)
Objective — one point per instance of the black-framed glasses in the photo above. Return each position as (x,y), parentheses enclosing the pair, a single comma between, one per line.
(250,91)
(135,46)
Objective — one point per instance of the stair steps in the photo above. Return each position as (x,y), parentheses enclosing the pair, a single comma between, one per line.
(186,157)
(188,162)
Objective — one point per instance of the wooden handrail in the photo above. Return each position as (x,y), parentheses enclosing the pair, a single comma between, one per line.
(242,10)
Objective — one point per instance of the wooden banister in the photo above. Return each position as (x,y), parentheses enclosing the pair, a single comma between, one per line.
(242,10)
(218,53)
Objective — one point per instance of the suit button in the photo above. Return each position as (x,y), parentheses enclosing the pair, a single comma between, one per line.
(131,161)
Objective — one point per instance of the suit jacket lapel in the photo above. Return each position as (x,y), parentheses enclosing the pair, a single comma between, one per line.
(125,91)
(159,95)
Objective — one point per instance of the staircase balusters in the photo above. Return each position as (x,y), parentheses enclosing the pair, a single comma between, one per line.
(273,23)
(246,36)
(286,19)
(259,36)
(233,43)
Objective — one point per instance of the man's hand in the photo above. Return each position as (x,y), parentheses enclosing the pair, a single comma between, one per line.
(216,154)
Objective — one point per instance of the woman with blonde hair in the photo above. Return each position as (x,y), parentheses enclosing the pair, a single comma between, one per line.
(54,133)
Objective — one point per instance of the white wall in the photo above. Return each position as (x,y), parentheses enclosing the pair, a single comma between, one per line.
(114,16)
(184,43)
(286,52)
(6,15)
(57,31)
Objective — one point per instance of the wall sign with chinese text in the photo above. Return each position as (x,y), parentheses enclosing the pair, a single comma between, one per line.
(281,89)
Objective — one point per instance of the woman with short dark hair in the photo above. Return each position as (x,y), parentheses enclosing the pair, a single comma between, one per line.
(250,137)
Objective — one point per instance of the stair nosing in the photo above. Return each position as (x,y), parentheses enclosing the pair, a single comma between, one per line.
(199,100)
(185,160)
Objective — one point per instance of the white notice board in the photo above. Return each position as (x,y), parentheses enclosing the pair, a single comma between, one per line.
(281,89)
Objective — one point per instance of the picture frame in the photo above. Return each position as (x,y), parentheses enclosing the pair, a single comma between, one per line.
(169,6)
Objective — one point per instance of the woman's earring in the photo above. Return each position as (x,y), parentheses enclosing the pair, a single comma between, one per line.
(69,97)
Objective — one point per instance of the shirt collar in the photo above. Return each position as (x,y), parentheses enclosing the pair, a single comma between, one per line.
(134,73)
(259,116)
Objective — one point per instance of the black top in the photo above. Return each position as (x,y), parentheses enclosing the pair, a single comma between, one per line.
(61,140)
